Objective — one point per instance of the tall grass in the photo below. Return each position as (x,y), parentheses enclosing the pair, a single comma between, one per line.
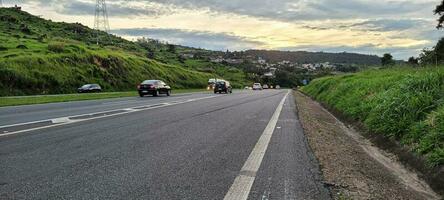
(406,104)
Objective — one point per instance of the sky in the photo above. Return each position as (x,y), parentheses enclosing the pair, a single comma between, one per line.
(400,27)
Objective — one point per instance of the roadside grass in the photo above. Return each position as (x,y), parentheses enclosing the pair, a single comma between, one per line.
(403,103)
(41,99)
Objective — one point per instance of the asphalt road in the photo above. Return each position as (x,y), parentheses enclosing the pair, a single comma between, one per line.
(193,146)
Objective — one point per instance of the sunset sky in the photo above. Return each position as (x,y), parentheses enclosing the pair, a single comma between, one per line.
(400,27)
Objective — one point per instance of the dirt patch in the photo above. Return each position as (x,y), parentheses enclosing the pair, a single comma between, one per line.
(352,167)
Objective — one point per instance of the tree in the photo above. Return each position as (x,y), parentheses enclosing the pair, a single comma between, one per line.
(150,54)
(171,48)
(439,10)
(182,59)
(413,61)
(387,59)
(427,57)
(439,50)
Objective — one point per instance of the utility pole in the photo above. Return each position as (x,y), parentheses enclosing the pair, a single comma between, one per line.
(101,22)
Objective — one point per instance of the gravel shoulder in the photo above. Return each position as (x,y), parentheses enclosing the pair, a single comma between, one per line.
(352,167)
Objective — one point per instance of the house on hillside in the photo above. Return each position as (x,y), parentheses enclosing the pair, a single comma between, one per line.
(187,55)
(261,61)
(234,61)
(269,74)
(218,59)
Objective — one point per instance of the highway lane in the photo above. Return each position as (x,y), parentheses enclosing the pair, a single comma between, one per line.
(21,114)
(193,150)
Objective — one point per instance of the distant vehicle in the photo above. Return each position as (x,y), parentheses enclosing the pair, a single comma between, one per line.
(89,88)
(257,86)
(153,87)
(246,88)
(278,87)
(265,86)
(223,86)
(212,83)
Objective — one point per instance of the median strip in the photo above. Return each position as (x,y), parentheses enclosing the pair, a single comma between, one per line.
(42,99)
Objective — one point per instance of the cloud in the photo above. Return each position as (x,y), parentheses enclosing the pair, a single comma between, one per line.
(391,24)
(397,26)
(202,39)
(286,10)
(420,29)
(296,10)
(88,8)
(117,8)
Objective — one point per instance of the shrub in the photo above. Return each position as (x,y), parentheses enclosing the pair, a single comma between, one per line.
(207,70)
(56,47)
(25,29)
(21,46)
(233,70)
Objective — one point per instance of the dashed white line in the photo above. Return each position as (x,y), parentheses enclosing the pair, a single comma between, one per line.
(60,120)
(240,189)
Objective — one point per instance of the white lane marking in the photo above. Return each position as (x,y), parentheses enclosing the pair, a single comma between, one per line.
(71,121)
(244,181)
(60,120)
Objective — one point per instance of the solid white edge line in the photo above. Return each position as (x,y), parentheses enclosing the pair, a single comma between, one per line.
(98,117)
(240,189)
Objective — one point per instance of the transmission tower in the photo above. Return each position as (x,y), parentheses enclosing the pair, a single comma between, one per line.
(101,22)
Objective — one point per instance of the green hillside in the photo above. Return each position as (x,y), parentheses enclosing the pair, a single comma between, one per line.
(38,56)
(406,104)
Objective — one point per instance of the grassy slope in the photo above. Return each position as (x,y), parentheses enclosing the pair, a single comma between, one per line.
(38,56)
(404,103)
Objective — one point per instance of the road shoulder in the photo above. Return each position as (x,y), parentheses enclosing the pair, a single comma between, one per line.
(289,169)
(352,167)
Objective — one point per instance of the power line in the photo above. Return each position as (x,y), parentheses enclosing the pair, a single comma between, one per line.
(101,22)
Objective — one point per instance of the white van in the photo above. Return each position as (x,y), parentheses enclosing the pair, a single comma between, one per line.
(257,86)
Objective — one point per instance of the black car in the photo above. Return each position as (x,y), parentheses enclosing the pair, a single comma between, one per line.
(223,86)
(89,88)
(153,87)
